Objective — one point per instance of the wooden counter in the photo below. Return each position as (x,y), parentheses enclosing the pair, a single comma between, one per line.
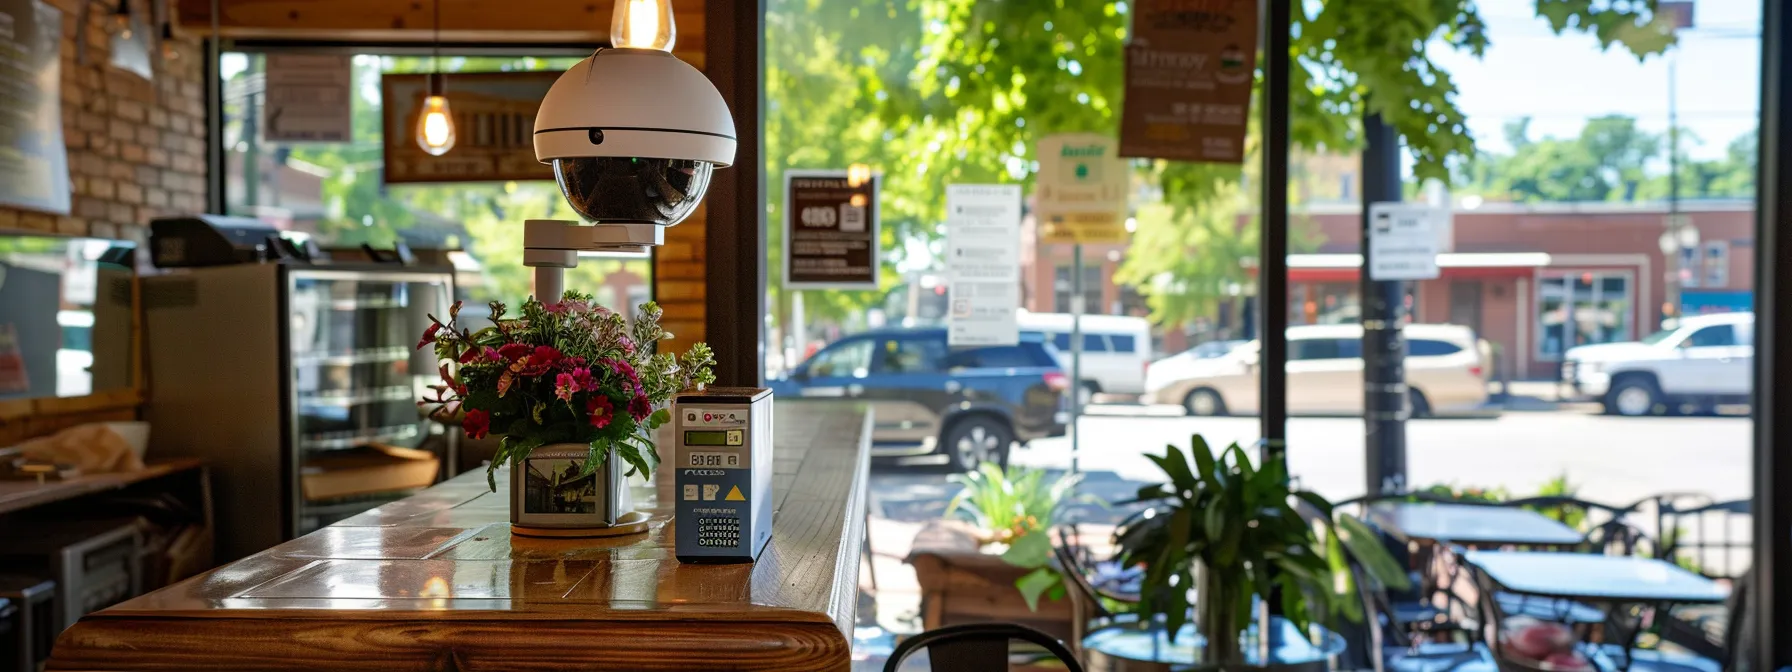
(436,582)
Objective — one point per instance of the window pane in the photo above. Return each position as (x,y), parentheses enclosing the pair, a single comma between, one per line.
(1421,347)
(1061,341)
(1722,335)
(1094,343)
(910,355)
(1123,342)
(850,359)
(1025,355)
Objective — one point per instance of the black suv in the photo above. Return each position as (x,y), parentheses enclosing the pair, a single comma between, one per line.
(970,404)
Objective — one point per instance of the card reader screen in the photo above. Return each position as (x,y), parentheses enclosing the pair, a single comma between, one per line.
(706,438)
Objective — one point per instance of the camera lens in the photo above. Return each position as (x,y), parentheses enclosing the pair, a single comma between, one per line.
(631,189)
(597,136)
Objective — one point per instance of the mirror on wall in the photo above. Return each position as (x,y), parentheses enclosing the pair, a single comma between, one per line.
(65,316)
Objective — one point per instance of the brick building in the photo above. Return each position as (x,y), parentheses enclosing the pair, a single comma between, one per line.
(1534,279)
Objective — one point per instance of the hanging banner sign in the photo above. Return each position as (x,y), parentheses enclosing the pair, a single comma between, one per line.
(494,123)
(1081,190)
(309,98)
(830,231)
(1189,67)
(33,158)
(982,264)
(1404,240)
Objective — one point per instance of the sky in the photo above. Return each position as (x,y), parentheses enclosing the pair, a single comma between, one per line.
(1561,81)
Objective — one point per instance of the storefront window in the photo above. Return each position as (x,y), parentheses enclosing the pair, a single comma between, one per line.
(336,194)
(1583,309)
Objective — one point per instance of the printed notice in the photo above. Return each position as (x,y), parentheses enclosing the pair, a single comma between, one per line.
(33,159)
(982,263)
(309,97)
(830,231)
(1404,239)
(1189,68)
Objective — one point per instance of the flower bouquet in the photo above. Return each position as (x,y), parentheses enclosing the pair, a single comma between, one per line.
(568,372)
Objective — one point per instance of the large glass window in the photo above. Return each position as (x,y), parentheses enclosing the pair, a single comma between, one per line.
(335,193)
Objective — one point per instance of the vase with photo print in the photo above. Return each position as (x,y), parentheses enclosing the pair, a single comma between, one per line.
(575,391)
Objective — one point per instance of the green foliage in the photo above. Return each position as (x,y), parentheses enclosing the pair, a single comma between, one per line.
(563,372)
(1017,507)
(1239,523)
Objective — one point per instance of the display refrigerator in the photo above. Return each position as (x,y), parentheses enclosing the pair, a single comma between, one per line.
(278,373)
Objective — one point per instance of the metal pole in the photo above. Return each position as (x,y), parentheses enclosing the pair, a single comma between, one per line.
(1272,263)
(1383,309)
(1674,222)
(1076,354)
(1771,601)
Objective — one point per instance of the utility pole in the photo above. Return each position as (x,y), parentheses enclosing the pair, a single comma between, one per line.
(1383,311)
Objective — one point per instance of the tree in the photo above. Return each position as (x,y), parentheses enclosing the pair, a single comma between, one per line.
(1608,161)
(994,76)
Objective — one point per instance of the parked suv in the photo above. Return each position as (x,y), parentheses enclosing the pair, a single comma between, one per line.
(1703,361)
(969,404)
(1446,370)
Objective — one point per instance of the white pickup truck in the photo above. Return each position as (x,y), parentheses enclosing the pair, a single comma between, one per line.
(1703,361)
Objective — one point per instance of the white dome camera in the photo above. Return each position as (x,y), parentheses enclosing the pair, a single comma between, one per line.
(633,136)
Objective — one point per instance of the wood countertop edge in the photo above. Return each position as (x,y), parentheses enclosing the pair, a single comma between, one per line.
(568,612)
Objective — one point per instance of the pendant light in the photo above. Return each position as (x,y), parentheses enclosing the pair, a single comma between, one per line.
(435,126)
(170,50)
(643,24)
(119,21)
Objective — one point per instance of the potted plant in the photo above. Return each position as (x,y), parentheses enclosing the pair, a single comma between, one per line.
(576,392)
(989,558)
(1230,530)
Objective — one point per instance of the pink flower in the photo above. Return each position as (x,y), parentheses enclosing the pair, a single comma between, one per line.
(582,378)
(627,345)
(639,408)
(555,308)
(601,410)
(564,387)
(477,424)
(429,335)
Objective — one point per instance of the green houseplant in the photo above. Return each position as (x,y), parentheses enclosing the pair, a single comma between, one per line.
(1013,510)
(1230,530)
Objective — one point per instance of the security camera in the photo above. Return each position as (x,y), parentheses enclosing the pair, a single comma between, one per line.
(633,136)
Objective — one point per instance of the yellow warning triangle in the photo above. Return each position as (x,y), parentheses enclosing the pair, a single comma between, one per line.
(735,496)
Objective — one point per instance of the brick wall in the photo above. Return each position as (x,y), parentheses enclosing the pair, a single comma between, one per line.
(136,148)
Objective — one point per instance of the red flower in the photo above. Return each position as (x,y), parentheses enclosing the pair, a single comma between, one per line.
(476,423)
(639,408)
(540,362)
(470,354)
(513,351)
(601,410)
(581,378)
(429,335)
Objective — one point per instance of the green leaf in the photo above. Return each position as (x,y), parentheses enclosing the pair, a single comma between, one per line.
(659,418)
(1029,550)
(1203,457)
(1363,545)
(1035,583)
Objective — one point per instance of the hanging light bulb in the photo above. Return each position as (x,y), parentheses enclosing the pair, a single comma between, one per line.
(170,51)
(643,24)
(435,127)
(119,21)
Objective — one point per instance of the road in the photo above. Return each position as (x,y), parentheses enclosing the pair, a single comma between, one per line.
(1610,459)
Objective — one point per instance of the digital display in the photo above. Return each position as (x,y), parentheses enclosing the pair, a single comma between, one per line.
(729,460)
(716,437)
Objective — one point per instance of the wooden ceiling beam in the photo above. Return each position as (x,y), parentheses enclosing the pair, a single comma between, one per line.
(464,21)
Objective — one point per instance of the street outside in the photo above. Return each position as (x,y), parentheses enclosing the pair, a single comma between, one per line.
(1610,459)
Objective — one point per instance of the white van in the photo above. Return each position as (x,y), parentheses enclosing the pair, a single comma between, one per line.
(1116,349)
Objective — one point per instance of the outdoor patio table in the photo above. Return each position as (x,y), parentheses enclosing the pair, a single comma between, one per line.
(1473,525)
(1124,644)
(1614,581)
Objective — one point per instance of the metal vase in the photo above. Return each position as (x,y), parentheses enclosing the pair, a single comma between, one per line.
(550,491)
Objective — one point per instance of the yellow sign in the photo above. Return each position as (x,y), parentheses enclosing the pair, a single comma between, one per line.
(1082,188)
(734,495)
